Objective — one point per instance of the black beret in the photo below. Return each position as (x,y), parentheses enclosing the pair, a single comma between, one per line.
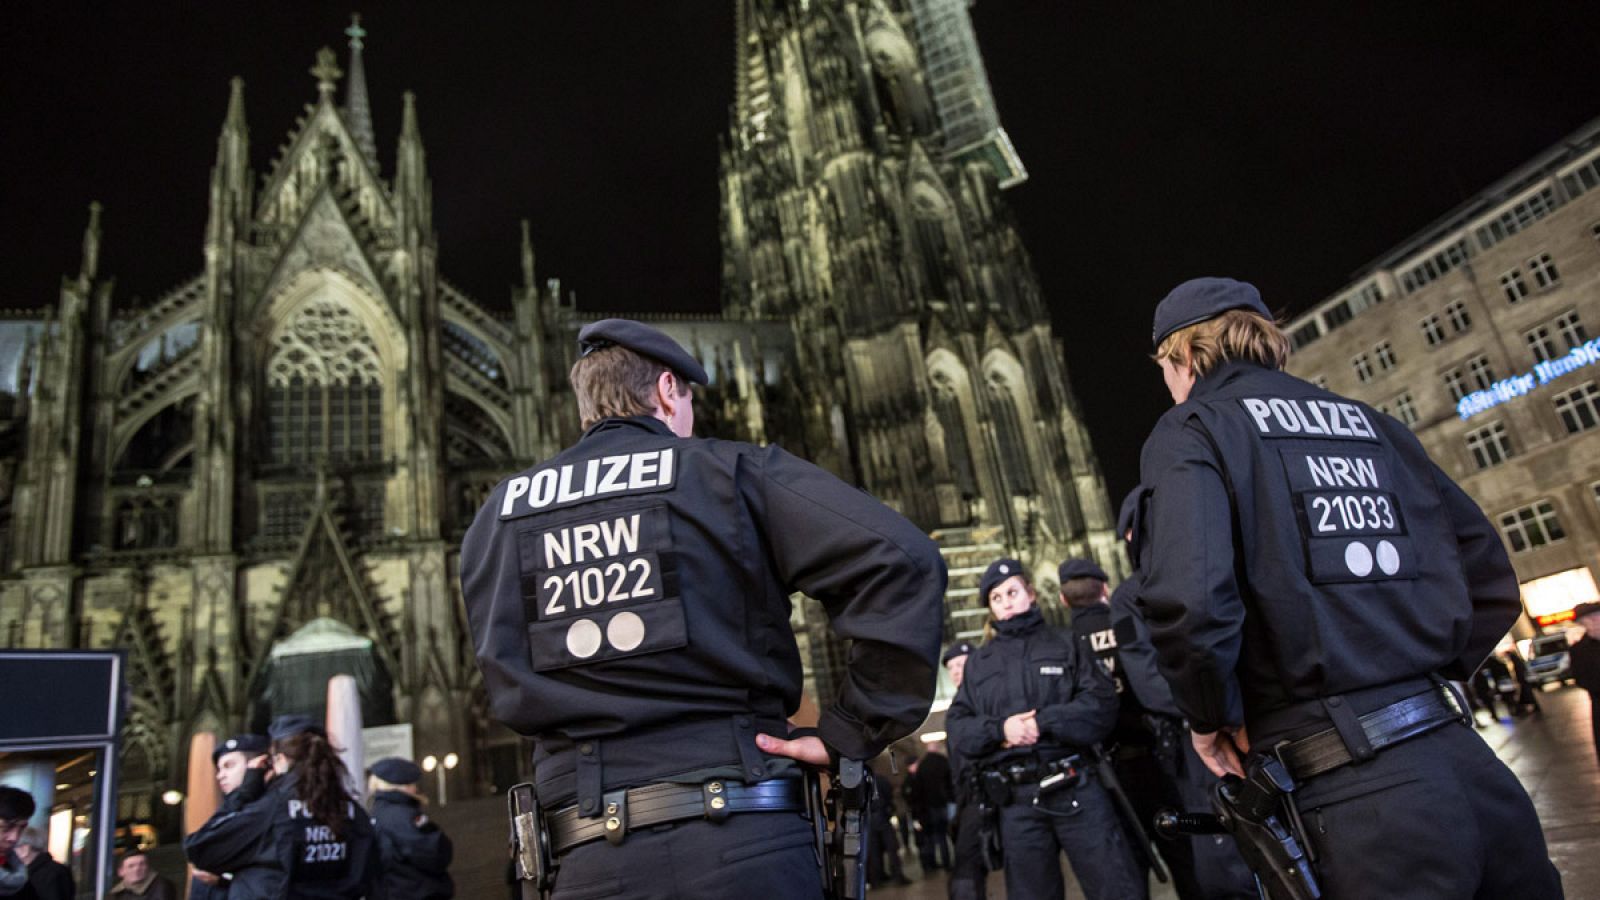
(959,648)
(1081,568)
(248,744)
(395,770)
(643,340)
(1130,506)
(1199,299)
(284,727)
(1585,609)
(998,571)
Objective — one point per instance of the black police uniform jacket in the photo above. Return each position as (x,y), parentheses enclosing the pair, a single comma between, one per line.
(633,593)
(414,853)
(1030,665)
(248,791)
(1302,545)
(276,850)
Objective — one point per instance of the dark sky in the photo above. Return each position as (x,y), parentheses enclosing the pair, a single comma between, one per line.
(1288,144)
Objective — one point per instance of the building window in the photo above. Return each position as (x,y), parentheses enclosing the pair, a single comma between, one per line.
(1489,445)
(1432,332)
(947,406)
(1518,217)
(1482,373)
(1544,271)
(1455,384)
(1540,342)
(1594,231)
(1305,334)
(1532,526)
(1363,366)
(1460,319)
(1338,314)
(324,397)
(1435,266)
(1010,437)
(1405,409)
(1571,329)
(1512,283)
(1384,353)
(1579,408)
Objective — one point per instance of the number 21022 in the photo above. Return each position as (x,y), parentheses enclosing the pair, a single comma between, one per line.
(613,582)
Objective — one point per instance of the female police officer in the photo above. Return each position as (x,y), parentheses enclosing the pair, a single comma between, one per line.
(1310,578)
(1030,703)
(629,605)
(305,837)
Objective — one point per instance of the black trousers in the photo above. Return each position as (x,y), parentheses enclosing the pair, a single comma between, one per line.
(968,874)
(766,855)
(1080,821)
(1438,816)
(933,841)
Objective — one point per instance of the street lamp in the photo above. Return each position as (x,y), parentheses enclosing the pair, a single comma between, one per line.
(431,763)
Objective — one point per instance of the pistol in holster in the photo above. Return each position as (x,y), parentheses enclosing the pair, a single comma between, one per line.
(1258,810)
(993,792)
(842,826)
(530,843)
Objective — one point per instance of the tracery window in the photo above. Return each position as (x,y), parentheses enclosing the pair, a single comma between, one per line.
(324,389)
(947,406)
(1010,438)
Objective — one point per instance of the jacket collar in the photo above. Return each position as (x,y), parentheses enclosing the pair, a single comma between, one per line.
(1216,379)
(646,423)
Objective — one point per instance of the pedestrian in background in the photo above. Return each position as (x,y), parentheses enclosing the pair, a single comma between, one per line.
(50,879)
(140,881)
(16,808)
(1585,656)
(929,778)
(968,873)
(414,852)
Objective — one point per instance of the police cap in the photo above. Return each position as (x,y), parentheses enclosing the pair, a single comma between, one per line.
(395,770)
(1130,506)
(1081,568)
(1585,609)
(285,727)
(959,648)
(248,744)
(1199,299)
(643,340)
(998,571)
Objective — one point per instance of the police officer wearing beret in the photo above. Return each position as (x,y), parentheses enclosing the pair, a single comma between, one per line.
(1311,580)
(303,837)
(968,873)
(629,602)
(241,765)
(414,853)
(1030,708)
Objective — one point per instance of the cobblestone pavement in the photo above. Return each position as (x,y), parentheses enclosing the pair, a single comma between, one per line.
(1551,753)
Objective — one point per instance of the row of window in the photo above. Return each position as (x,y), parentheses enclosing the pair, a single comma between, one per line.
(1518,217)
(1479,377)
(1543,270)
(1383,354)
(1547,341)
(1579,410)
(1456,314)
(1537,524)
(1435,267)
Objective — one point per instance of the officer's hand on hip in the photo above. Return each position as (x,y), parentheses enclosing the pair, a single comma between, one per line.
(1222,752)
(809,749)
(1021,729)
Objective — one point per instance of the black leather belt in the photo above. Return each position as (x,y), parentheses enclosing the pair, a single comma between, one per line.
(1032,771)
(665,802)
(1384,727)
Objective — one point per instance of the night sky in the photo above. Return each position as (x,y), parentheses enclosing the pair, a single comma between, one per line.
(1287,146)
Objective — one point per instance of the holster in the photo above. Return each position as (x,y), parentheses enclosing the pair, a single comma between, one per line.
(993,791)
(1253,810)
(842,825)
(530,843)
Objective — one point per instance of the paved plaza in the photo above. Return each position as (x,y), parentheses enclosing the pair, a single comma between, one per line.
(1551,753)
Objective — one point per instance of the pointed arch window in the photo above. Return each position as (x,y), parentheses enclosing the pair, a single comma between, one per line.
(324,389)
(931,215)
(947,406)
(1010,438)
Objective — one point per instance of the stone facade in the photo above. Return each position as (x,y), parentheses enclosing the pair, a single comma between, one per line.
(1461,333)
(290,444)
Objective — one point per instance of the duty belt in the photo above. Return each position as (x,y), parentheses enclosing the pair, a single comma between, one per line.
(666,802)
(1032,771)
(1384,727)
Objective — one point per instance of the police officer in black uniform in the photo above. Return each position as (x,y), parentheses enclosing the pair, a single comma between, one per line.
(968,873)
(305,837)
(1311,579)
(629,602)
(1030,707)
(241,766)
(414,853)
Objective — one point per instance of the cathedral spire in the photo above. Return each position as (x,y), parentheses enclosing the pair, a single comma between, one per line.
(527,257)
(357,109)
(91,246)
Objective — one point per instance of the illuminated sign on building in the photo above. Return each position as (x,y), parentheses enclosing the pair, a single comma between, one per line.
(1585,354)
(1550,599)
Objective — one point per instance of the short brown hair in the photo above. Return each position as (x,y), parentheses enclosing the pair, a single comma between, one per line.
(1084,591)
(616,381)
(1236,334)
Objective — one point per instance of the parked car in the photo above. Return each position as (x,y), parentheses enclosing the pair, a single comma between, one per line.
(1547,658)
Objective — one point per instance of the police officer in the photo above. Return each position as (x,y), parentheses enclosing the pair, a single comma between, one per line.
(629,606)
(414,853)
(1204,867)
(241,765)
(968,873)
(304,837)
(1030,707)
(1311,578)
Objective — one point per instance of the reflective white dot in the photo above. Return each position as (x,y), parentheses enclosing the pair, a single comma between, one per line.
(583,638)
(1388,558)
(625,631)
(1358,559)
(1004,569)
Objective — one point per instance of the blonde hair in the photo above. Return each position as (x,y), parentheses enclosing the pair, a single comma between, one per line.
(1236,334)
(615,382)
